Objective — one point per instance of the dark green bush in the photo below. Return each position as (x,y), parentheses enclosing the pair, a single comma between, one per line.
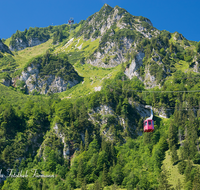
(196,159)
(1,55)
(181,167)
(157,71)
(198,47)
(96,34)
(180,56)
(188,58)
(146,25)
(20,83)
(162,51)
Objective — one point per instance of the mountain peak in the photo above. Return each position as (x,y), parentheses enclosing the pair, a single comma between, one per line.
(105,9)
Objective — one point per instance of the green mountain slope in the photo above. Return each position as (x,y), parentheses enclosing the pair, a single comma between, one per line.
(90,135)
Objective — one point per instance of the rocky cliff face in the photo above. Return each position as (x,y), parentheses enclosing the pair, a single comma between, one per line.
(44,85)
(22,44)
(136,63)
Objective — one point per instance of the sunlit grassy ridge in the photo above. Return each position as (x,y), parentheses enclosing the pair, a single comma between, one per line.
(93,77)
(23,56)
(7,42)
(173,172)
(8,95)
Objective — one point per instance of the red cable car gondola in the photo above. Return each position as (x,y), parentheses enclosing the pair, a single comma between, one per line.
(148,123)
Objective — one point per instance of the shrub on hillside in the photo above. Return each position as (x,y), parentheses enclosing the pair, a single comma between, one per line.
(181,167)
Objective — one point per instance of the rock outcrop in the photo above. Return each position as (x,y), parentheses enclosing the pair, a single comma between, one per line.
(43,85)
(136,63)
(21,44)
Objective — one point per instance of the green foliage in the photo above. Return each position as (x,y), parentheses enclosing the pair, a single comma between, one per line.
(198,47)
(120,10)
(163,182)
(196,158)
(5,76)
(55,65)
(117,37)
(20,83)
(188,58)
(40,33)
(188,170)
(1,55)
(174,156)
(181,166)
(162,51)
(157,71)
(146,25)
(166,34)
(8,63)
(128,18)
(117,174)
(173,136)
(59,36)
(96,34)
(75,56)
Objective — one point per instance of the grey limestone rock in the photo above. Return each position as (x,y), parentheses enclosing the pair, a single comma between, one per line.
(49,83)
(135,65)
(21,44)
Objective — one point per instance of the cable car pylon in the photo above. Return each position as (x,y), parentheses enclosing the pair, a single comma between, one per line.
(71,22)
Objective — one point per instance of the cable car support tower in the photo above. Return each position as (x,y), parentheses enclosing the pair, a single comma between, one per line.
(71,22)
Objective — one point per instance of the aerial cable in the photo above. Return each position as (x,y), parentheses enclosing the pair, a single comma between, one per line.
(150,107)
(167,108)
(182,78)
(155,91)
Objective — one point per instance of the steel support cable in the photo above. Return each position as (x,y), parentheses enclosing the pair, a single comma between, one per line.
(155,91)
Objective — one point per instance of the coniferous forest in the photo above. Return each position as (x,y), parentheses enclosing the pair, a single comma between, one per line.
(72,106)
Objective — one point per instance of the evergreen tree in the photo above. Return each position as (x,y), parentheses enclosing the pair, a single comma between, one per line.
(198,47)
(192,134)
(105,176)
(163,182)
(196,182)
(117,174)
(113,152)
(86,139)
(186,150)
(188,170)
(172,135)
(179,185)
(97,185)
(181,167)
(81,147)
(174,156)
(188,185)
(84,185)
(80,174)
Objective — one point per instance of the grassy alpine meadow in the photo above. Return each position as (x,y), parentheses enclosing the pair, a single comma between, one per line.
(23,56)
(93,78)
(173,173)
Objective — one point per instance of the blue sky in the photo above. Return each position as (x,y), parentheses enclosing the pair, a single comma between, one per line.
(172,15)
